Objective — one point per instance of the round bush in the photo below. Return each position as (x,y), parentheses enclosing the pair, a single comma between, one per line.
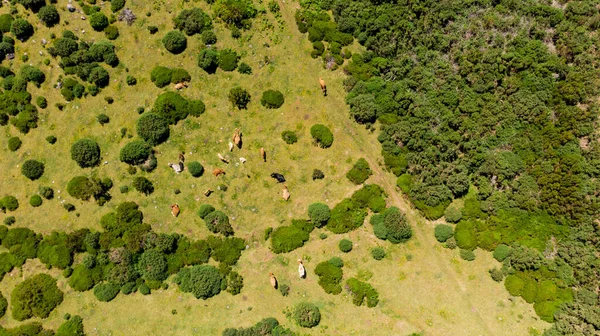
(171,106)
(161,76)
(378,253)
(10,220)
(204,210)
(105,292)
(319,214)
(102,119)
(208,60)
(239,97)
(345,245)
(135,152)
(131,80)
(179,75)
(467,255)
(337,262)
(196,107)
(209,37)
(111,32)
(35,201)
(98,21)
(317,175)
(289,137)
(272,99)
(502,252)
(195,169)
(86,153)
(228,60)
(218,222)
(175,42)
(204,281)
(51,139)
(14,144)
(80,187)
(35,297)
(453,214)
(22,29)
(307,315)
(49,15)
(244,69)
(322,135)
(116,5)
(143,185)
(192,21)
(153,128)
(9,203)
(46,192)
(41,102)
(443,232)
(32,169)
(153,265)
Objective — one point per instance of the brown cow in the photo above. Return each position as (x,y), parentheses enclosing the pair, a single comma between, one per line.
(218,171)
(175,210)
(323,86)
(181,157)
(263,154)
(237,138)
(181,85)
(208,192)
(273,280)
(286,193)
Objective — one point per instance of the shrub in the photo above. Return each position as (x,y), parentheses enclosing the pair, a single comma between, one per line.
(195,169)
(192,21)
(244,69)
(467,255)
(46,192)
(502,252)
(153,128)
(337,262)
(130,80)
(288,238)
(228,60)
(289,137)
(179,75)
(204,210)
(86,153)
(496,274)
(360,172)
(80,187)
(171,106)
(443,232)
(359,290)
(330,276)
(3,305)
(33,74)
(152,29)
(14,144)
(35,201)
(143,185)
(307,315)
(135,152)
(175,42)
(392,225)
(317,175)
(464,234)
(153,265)
(116,5)
(196,107)
(111,32)
(41,102)
(161,76)
(319,214)
(102,119)
(226,250)
(10,220)
(236,33)
(32,169)
(272,99)
(345,245)
(49,15)
(209,37)
(284,289)
(105,292)
(98,21)
(35,297)
(218,222)
(235,13)
(22,29)
(378,253)
(208,60)
(72,327)
(51,139)
(453,214)
(322,135)
(204,281)
(5,23)
(239,97)
(9,203)
(514,285)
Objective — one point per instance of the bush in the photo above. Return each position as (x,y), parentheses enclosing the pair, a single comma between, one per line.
(204,210)
(35,201)
(228,60)
(307,315)
(330,276)
(244,69)
(171,106)
(14,144)
(378,253)
(360,172)
(392,225)
(72,327)
(111,32)
(9,203)
(49,15)
(345,245)
(33,74)
(193,21)
(272,99)
(319,214)
(175,42)
(32,169)
(179,75)
(41,102)
(467,255)
(153,265)
(284,289)
(143,185)
(51,139)
(502,252)
(98,21)
(86,153)
(359,290)
(196,107)
(5,23)
(153,128)
(453,214)
(514,285)
(161,76)
(22,29)
(204,281)
(3,305)
(226,250)
(102,119)
(288,238)
(195,169)
(317,175)
(35,297)
(208,60)
(322,135)
(443,232)
(46,192)
(218,222)
(209,37)
(105,292)
(130,80)
(239,97)
(465,235)
(289,137)
(135,152)
(116,5)
(10,220)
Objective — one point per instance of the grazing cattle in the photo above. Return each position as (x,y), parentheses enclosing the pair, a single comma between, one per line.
(242,160)
(208,192)
(263,154)
(178,168)
(237,138)
(230,146)
(286,193)
(181,85)
(218,171)
(278,177)
(323,87)
(222,158)
(181,157)
(301,269)
(273,280)
(175,210)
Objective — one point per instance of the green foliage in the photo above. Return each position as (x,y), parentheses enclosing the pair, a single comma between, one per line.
(203,281)
(98,21)
(361,290)
(502,252)
(443,232)
(116,5)
(192,21)
(135,152)
(22,29)
(14,143)
(111,32)
(105,292)
(143,185)
(228,60)
(235,12)
(272,99)
(195,169)
(322,135)
(467,255)
(175,42)
(330,276)
(239,97)
(289,137)
(171,106)
(131,80)
(32,169)
(3,305)
(391,225)
(153,265)
(317,175)
(514,285)
(306,315)
(345,245)
(161,76)
(208,60)
(35,201)
(37,296)
(288,238)
(360,172)
(209,37)
(244,69)
(83,188)
(453,214)
(378,253)
(46,192)
(41,102)
(267,326)
(153,128)
(319,214)
(218,222)
(86,153)
(5,23)
(49,16)
(226,250)
(72,327)
(204,210)
(102,119)
(9,203)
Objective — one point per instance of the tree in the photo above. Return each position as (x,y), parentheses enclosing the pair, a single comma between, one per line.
(209,37)
(98,21)
(239,97)
(192,21)
(330,276)
(49,15)
(378,253)
(35,297)
(235,12)
(307,315)
(272,99)
(208,60)
(153,128)
(204,281)
(22,29)
(143,185)
(86,153)
(319,213)
(153,265)
(34,5)
(99,77)
(64,47)
(175,42)
(135,152)
(32,169)
(5,23)
(363,108)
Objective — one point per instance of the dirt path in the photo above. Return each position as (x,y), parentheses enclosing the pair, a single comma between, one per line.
(371,150)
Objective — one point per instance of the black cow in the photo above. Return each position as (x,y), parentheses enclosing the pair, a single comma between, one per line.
(278,177)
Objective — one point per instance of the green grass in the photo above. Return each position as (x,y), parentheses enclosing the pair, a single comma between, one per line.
(413,295)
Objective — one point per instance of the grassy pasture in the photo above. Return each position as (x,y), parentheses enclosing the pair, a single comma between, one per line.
(422,287)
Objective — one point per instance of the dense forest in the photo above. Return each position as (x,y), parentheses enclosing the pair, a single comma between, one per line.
(494,102)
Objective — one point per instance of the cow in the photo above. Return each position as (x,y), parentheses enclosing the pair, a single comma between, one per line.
(263,154)
(181,85)
(323,87)
(208,192)
(237,138)
(222,158)
(280,178)
(175,210)
(218,171)
(301,269)
(230,146)
(273,280)
(285,193)
(181,157)
(178,168)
